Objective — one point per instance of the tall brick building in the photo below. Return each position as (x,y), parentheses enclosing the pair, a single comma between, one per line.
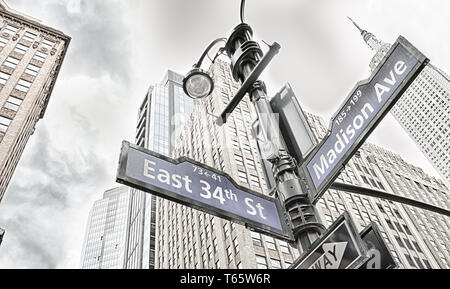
(31,55)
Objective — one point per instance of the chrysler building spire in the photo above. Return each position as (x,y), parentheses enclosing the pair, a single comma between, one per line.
(371,40)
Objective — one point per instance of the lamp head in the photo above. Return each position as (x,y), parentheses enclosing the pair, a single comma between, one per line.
(198,83)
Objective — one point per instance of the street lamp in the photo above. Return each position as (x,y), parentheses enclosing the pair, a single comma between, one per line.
(247,63)
(198,83)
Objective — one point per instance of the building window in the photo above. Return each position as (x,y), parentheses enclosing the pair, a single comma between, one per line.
(329,219)
(239,160)
(254,180)
(270,243)
(391,226)
(29,36)
(23,85)
(251,164)
(13,103)
(11,30)
(4,77)
(21,49)
(410,260)
(47,44)
(284,247)
(3,41)
(427,264)
(215,245)
(226,231)
(417,247)
(261,262)
(210,253)
(230,254)
(236,245)
(32,70)
(276,264)
(205,263)
(4,123)
(380,185)
(399,241)
(419,263)
(408,244)
(11,62)
(256,237)
(242,177)
(40,56)
(357,214)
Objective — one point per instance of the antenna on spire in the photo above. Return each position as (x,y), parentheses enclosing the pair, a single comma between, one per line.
(357,26)
(370,39)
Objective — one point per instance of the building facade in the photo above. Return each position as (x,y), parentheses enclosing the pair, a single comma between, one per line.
(163,110)
(423,110)
(162,113)
(415,237)
(187,238)
(31,55)
(105,241)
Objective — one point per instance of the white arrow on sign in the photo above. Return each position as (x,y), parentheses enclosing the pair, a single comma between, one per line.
(332,256)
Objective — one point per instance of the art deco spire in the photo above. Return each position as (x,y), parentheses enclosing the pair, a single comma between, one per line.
(371,40)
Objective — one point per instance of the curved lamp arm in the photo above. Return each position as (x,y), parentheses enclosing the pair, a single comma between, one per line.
(200,61)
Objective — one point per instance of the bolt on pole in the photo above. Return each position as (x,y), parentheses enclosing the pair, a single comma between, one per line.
(245,54)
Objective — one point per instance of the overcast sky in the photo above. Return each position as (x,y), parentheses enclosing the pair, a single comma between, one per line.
(119,48)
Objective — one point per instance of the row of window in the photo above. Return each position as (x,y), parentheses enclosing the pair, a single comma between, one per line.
(29,36)
(270,243)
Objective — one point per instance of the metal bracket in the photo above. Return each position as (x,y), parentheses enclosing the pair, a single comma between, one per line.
(248,83)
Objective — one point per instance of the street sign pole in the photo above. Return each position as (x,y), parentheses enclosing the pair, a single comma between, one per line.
(340,247)
(246,58)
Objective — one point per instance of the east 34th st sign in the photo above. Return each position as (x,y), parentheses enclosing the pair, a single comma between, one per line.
(364,108)
(201,187)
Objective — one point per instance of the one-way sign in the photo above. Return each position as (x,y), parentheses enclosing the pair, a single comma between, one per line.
(379,255)
(340,247)
(201,187)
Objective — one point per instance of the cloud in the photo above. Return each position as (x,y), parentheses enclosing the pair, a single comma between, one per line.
(41,206)
(100,35)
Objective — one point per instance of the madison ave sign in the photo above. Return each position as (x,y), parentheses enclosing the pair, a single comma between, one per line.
(201,187)
(340,247)
(361,112)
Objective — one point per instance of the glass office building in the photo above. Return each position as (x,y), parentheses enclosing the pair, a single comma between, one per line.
(161,116)
(105,240)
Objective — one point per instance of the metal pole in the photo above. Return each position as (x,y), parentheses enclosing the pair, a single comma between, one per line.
(245,54)
(383,195)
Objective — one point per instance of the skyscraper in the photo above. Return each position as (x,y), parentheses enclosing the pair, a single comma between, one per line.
(161,116)
(133,215)
(423,110)
(415,237)
(187,238)
(31,55)
(105,240)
